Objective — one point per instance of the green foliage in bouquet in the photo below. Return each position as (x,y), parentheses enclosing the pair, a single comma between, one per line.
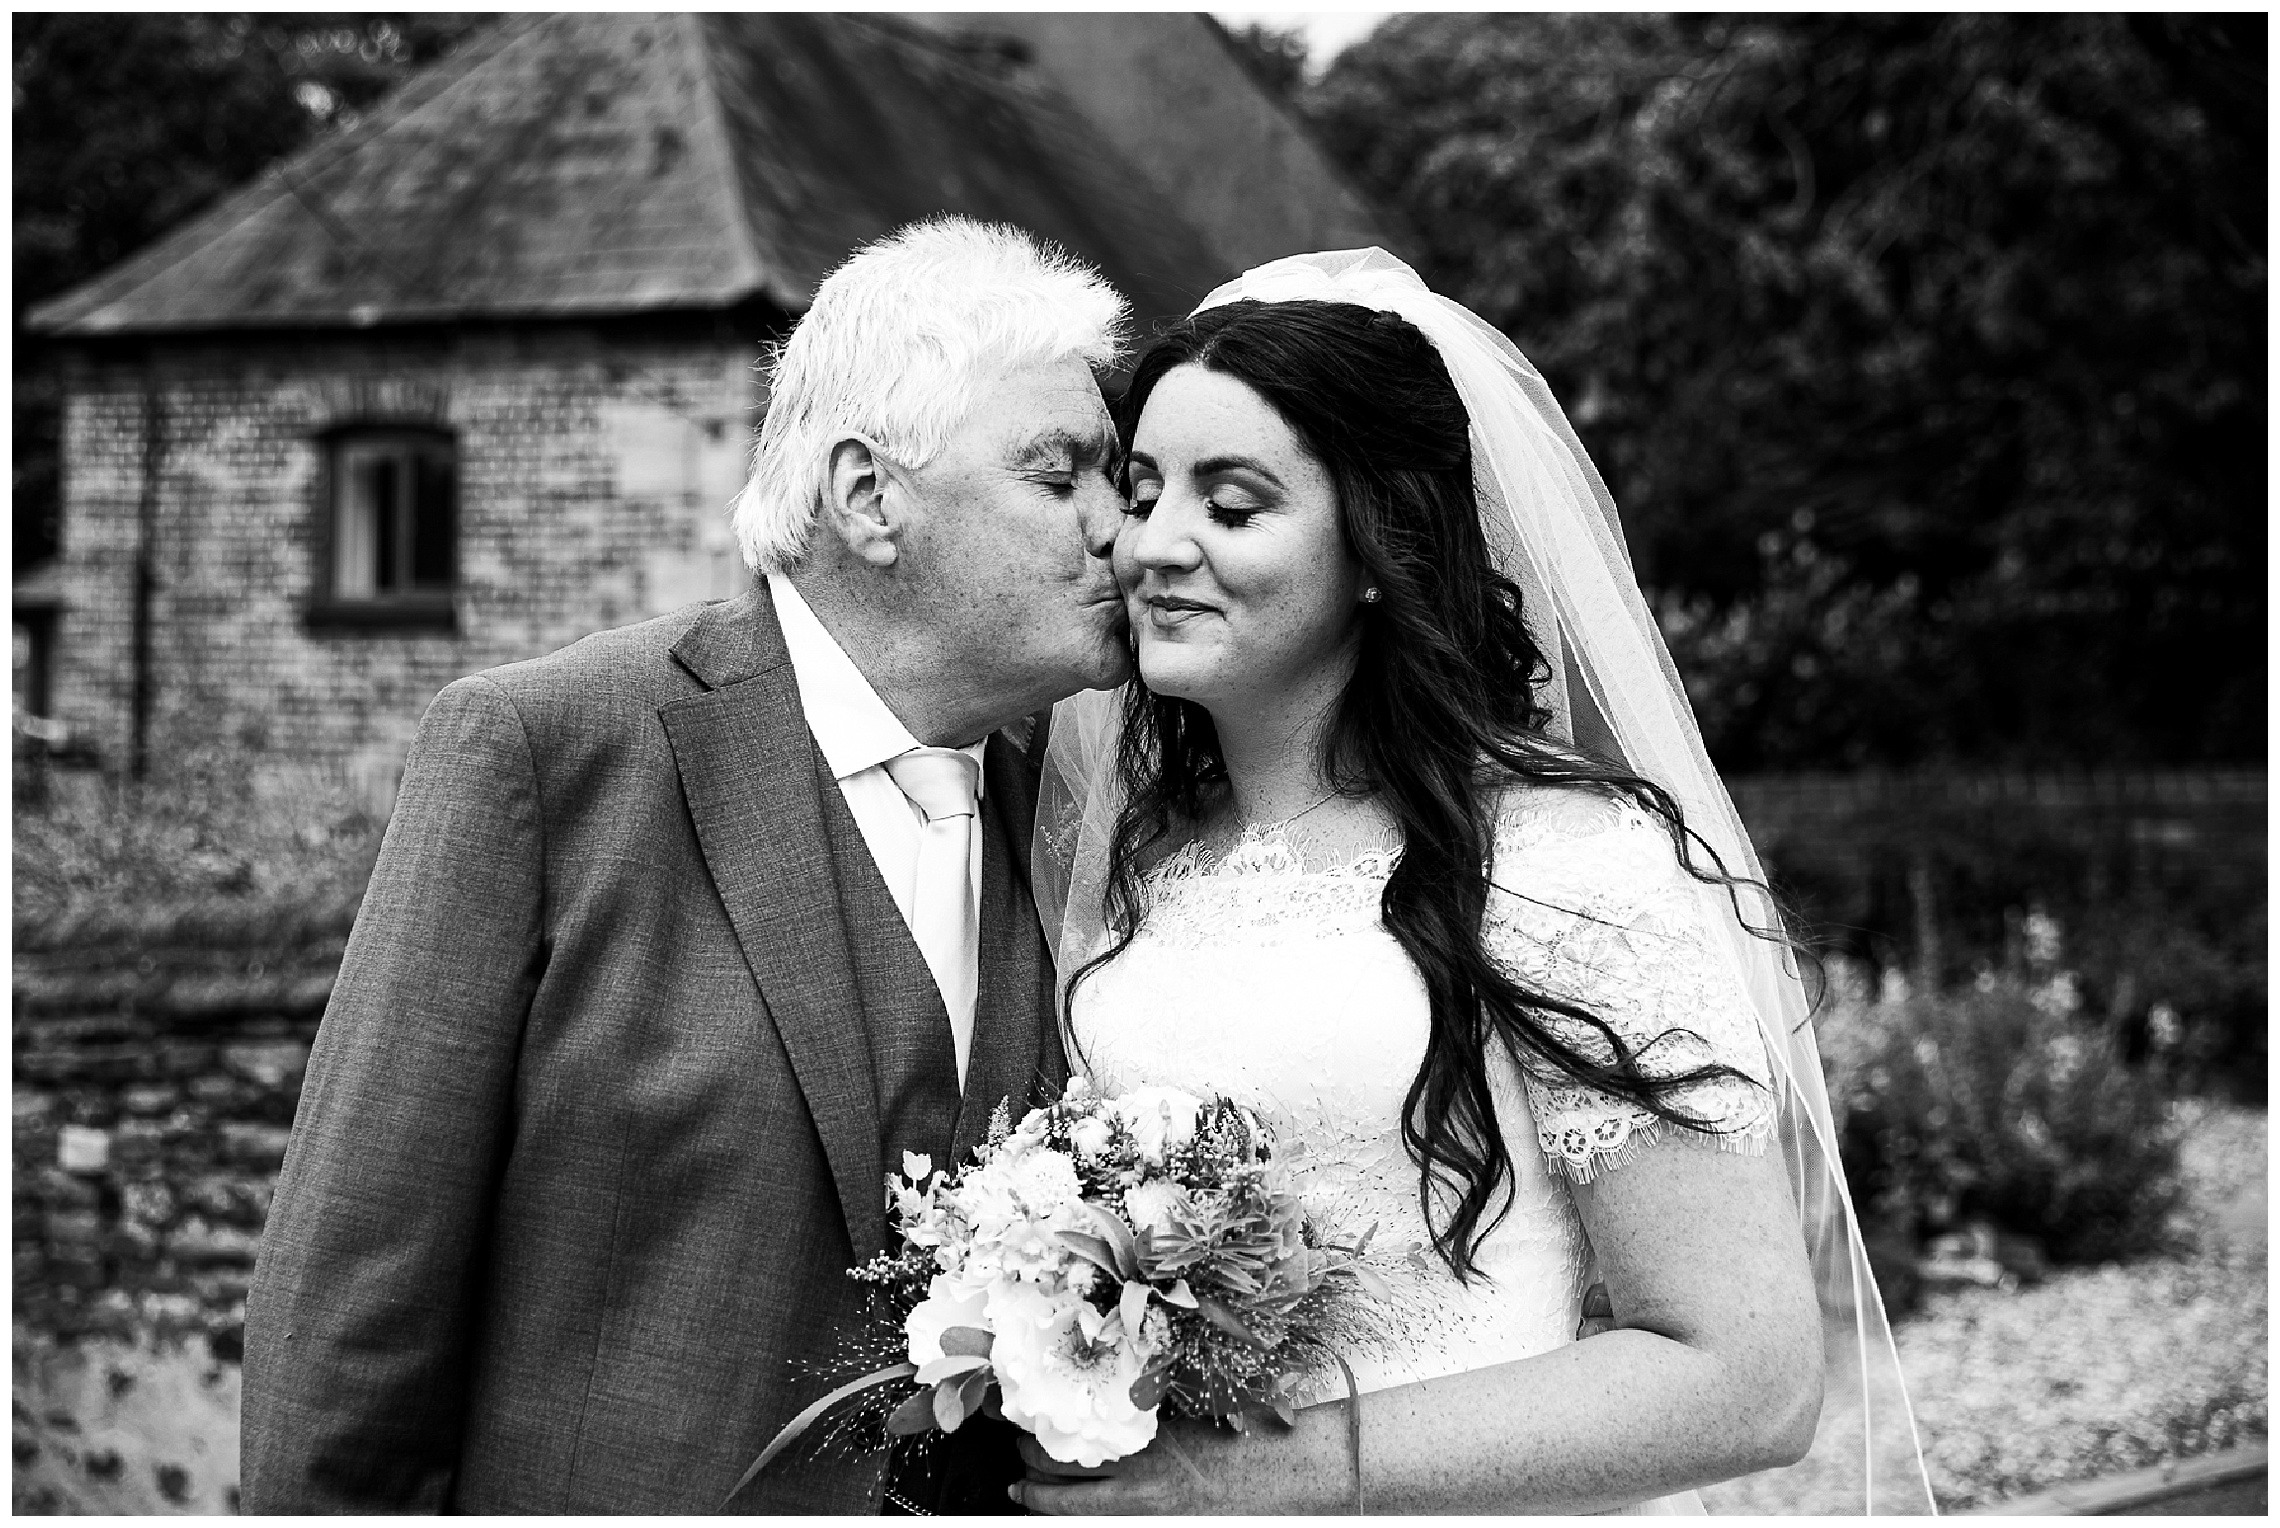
(2001,1099)
(1268,1291)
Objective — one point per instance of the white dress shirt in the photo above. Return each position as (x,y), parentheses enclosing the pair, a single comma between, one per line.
(857,735)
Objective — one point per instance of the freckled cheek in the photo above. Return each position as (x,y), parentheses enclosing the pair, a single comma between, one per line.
(1293,621)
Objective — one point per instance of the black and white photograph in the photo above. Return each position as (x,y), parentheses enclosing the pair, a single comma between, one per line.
(1140,763)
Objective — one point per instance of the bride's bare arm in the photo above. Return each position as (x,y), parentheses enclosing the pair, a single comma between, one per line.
(1713,1370)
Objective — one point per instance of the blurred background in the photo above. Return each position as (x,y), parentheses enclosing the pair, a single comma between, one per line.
(1924,355)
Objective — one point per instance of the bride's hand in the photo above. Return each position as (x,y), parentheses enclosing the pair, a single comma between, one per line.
(1199,1468)
(1041,1490)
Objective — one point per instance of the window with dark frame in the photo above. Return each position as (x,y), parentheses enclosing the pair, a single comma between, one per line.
(391,548)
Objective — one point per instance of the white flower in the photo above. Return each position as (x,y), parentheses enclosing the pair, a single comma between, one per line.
(923,1222)
(1150,1207)
(949,1302)
(1017,1205)
(2057,997)
(1025,1249)
(920,1212)
(1065,1375)
(2163,1027)
(1079,1089)
(1045,1182)
(1018,1186)
(2042,935)
(1089,1137)
(1160,1119)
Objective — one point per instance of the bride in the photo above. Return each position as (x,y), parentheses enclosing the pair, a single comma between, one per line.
(1405,838)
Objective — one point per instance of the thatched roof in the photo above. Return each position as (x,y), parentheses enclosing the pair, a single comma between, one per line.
(591,164)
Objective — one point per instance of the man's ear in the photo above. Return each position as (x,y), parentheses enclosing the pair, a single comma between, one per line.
(856,495)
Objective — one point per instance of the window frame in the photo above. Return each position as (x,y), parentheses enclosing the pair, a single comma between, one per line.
(432,607)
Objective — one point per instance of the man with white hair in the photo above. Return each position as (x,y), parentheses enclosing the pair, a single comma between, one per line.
(682,936)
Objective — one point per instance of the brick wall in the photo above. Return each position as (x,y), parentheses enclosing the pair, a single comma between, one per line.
(595,469)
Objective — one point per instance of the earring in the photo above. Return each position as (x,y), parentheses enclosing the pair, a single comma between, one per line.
(1370,596)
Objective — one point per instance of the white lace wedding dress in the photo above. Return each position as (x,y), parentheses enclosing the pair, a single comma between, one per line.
(1277,985)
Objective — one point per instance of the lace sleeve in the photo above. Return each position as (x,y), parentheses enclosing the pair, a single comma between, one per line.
(1590,904)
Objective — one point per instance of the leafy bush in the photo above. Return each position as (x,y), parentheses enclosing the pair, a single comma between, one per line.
(2192,986)
(1945,876)
(208,828)
(2001,1100)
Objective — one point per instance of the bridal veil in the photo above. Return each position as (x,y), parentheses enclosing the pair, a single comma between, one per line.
(1551,527)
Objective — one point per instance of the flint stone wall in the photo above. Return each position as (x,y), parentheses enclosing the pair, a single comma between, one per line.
(158,1062)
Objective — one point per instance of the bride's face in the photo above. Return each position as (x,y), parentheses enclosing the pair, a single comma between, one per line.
(1236,575)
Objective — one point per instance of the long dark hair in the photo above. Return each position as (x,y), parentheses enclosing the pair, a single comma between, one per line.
(1439,716)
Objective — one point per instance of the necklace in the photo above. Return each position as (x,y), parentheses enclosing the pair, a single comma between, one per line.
(1264,828)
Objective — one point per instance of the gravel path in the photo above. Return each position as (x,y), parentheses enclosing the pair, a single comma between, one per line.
(2098,1370)
(2107,1369)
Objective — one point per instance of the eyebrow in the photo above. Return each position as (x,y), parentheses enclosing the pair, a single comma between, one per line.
(1211,465)
(1067,446)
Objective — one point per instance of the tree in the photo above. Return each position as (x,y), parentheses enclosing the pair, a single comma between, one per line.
(1272,56)
(1924,354)
(127,124)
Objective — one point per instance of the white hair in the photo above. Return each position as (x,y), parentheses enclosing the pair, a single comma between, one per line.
(893,348)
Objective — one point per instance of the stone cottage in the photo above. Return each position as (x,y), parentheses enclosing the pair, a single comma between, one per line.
(477,378)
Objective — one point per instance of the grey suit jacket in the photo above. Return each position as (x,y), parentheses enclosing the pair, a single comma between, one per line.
(592,1127)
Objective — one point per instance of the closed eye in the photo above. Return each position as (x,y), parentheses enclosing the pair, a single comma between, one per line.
(1060,460)
(1232,516)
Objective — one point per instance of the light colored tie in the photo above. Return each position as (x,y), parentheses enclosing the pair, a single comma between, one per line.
(941,783)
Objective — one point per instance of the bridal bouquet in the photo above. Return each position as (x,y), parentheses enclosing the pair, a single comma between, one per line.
(1104,1260)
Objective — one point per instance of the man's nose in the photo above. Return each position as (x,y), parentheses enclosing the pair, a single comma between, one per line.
(1102,517)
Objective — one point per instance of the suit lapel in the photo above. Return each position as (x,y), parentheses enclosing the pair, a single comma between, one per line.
(1014,1054)
(755,787)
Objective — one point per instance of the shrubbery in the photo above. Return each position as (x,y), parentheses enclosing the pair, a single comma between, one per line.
(206,828)
(2000,1100)
(2166,942)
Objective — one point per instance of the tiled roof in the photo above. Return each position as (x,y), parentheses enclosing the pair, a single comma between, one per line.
(848,126)
(594,163)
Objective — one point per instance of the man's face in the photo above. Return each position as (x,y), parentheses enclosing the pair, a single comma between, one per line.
(1016,517)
